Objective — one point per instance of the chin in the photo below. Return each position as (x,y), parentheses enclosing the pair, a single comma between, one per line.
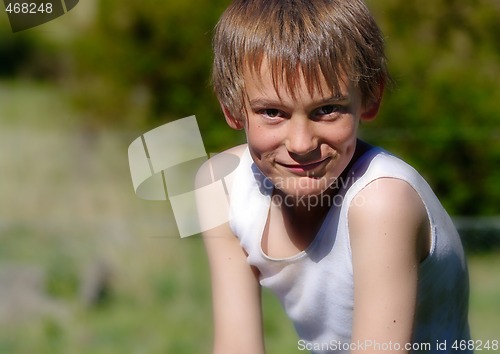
(302,186)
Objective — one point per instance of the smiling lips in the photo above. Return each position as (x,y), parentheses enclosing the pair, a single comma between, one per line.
(304,168)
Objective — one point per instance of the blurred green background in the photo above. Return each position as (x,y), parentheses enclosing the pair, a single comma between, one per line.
(87,267)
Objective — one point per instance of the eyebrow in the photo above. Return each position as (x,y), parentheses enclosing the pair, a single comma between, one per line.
(259,102)
(336,98)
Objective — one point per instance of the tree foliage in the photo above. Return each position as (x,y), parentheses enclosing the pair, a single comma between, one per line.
(140,64)
(146,63)
(441,115)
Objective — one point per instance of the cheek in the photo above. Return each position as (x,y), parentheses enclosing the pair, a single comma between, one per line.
(344,133)
(262,139)
(349,138)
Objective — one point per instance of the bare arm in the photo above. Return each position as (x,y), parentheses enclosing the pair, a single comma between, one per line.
(236,295)
(236,292)
(389,236)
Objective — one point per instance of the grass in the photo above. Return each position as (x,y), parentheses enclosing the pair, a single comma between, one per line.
(485,296)
(68,204)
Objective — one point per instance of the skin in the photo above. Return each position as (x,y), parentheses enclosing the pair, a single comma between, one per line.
(303,144)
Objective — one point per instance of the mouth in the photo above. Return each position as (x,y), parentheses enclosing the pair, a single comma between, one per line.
(306,168)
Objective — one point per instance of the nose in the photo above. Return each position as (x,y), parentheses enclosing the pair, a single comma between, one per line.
(301,137)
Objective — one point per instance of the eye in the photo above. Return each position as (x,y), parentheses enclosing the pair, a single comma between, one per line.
(328,112)
(270,112)
(328,109)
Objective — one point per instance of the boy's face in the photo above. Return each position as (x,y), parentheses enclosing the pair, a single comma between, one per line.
(302,145)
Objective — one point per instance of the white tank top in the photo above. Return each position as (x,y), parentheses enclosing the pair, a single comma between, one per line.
(316,288)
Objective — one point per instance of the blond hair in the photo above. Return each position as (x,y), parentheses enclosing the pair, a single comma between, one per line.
(329,39)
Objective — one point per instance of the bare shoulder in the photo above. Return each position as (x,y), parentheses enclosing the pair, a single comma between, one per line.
(213,186)
(389,213)
(387,196)
(220,166)
(237,150)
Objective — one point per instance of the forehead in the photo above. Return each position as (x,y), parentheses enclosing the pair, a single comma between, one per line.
(264,80)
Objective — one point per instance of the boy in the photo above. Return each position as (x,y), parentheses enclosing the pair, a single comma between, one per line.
(351,239)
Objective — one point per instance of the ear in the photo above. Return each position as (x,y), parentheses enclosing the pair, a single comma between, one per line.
(232,121)
(371,108)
